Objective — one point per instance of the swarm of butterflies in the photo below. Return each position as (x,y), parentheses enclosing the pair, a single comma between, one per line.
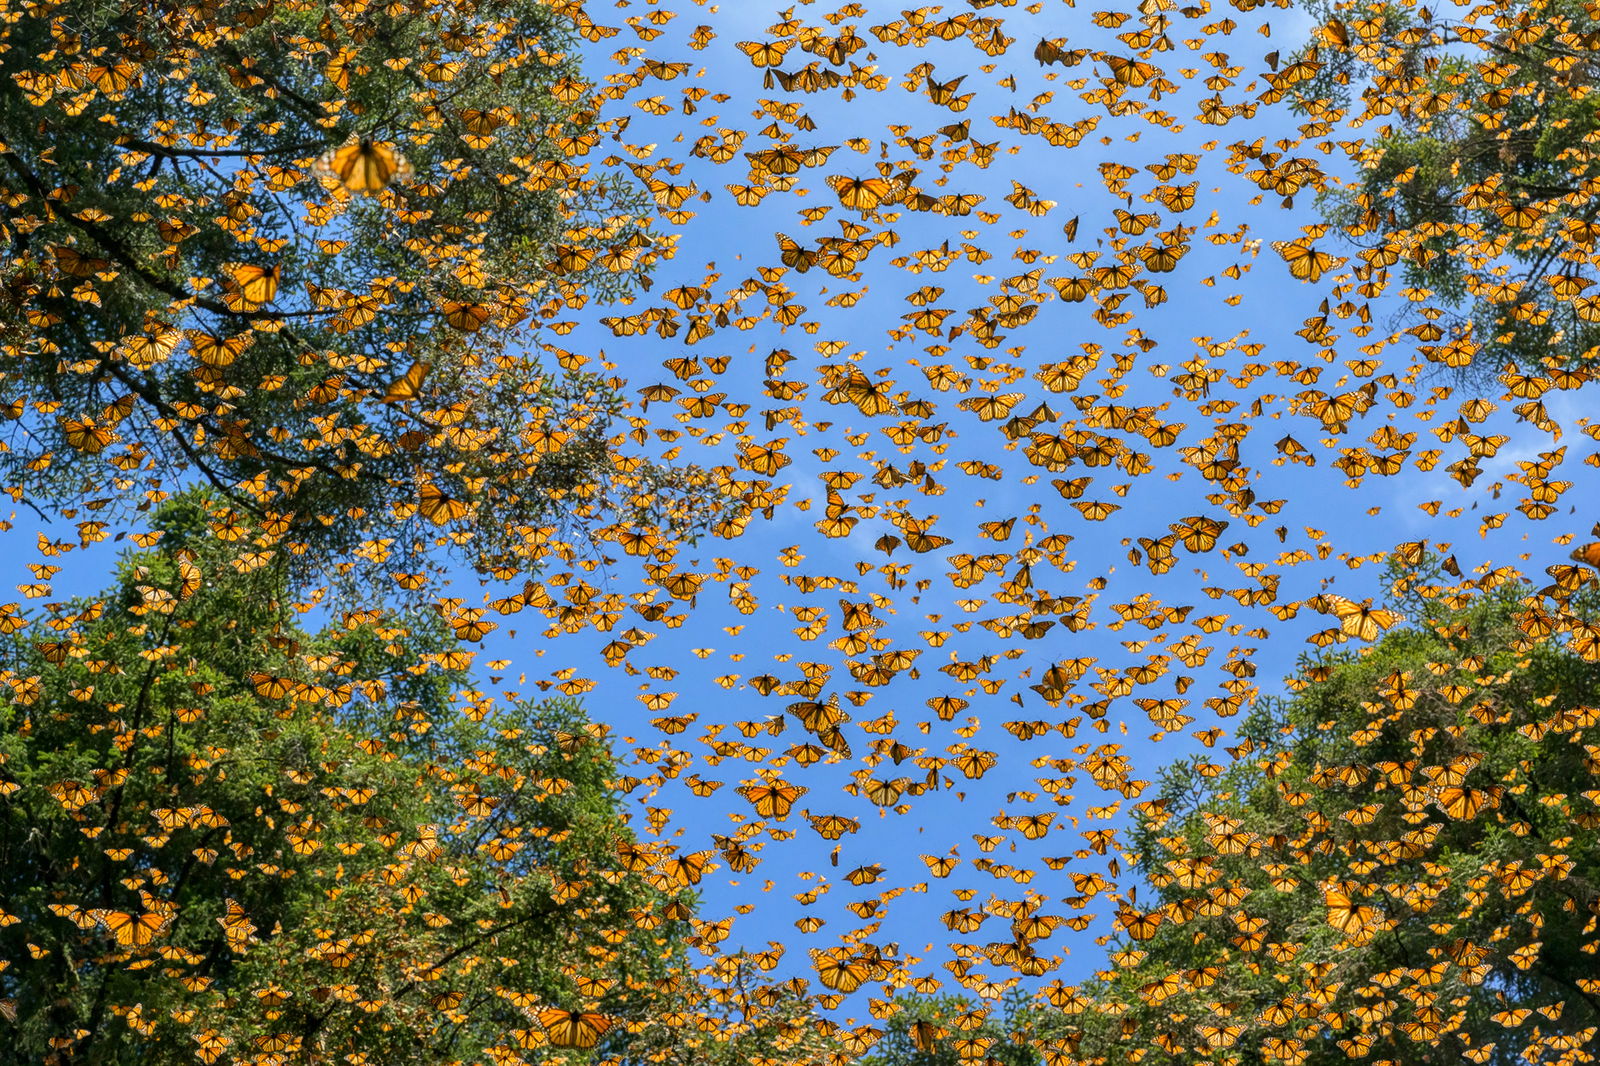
(985,378)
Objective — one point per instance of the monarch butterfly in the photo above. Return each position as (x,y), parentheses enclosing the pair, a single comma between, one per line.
(884,793)
(237,926)
(1131,72)
(686,869)
(861,194)
(438,508)
(1097,510)
(974,764)
(482,125)
(944,94)
(218,351)
(780,162)
(925,1035)
(858,389)
(1162,259)
(773,800)
(572,743)
(1199,533)
(989,408)
(70,911)
(568,1028)
(747,195)
(1365,622)
(467,317)
(472,629)
(1306,263)
(1344,914)
(270,686)
(571,258)
(1463,804)
(363,165)
(87,436)
(1519,215)
(795,255)
(817,716)
(407,386)
(764,53)
(257,285)
(189,577)
(144,350)
(1034,826)
(1139,926)
(594,986)
(832,826)
(959,204)
(841,975)
(1589,554)
(698,785)
(116,77)
(134,930)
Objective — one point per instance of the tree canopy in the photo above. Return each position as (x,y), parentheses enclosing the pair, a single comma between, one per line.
(945,1030)
(1395,864)
(227,836)
(284,248)
(1479,181)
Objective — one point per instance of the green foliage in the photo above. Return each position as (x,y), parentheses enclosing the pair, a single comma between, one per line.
(150,154)
(951,1030)
(365,867)
(1479,168)
(1328,895)
(741,1026)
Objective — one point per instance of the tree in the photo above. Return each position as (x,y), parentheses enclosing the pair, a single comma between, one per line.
(738,1022)
(223,835)
(1401,863)
(1478,182)
(947,1030)
(289,249)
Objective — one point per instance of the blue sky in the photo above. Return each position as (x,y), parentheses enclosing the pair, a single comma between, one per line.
(1349,528)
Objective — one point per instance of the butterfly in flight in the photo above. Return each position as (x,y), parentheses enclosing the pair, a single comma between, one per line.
(363,165)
